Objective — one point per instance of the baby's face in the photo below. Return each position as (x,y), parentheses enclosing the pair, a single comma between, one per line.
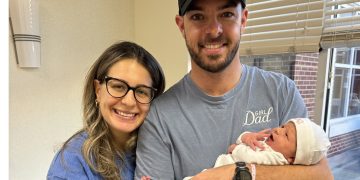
(283,140)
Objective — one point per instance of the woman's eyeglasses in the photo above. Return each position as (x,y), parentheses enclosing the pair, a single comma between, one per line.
(118,89)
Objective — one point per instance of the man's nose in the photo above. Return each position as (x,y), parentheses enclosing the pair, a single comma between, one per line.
(214,28)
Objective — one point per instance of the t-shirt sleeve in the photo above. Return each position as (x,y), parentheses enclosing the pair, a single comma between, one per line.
(69,164)
(294,106)
(153,157)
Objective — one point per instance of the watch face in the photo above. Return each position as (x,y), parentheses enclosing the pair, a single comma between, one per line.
(244,175)
(242,172)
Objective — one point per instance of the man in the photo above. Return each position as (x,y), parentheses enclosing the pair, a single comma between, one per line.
(200,116)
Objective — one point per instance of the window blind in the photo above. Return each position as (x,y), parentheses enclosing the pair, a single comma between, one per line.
(282,26)
(342,24)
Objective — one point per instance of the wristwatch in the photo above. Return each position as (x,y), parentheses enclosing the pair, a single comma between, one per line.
(242,172)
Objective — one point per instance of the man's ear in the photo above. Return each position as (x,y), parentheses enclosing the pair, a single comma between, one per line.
(180,23)
(244,17)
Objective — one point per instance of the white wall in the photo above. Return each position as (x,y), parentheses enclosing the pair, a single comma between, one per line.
(45,103)
(156,30)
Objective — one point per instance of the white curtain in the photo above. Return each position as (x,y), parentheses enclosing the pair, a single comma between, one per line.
(282,26)
(298,26)
(342,24)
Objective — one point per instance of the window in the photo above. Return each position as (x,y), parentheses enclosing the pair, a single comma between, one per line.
(346,84)
(339,93)
(354,99)
(341,32)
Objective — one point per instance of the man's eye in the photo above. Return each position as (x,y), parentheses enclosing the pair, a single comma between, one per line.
(197,17)
(227,14)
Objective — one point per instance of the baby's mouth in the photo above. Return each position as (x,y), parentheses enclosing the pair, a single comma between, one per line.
(270,138)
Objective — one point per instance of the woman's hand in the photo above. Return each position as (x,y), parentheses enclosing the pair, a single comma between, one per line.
(145,178)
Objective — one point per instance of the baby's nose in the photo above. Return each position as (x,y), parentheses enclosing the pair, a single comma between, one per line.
(278,131)
(275,130)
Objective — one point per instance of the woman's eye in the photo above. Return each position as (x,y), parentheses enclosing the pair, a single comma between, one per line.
(141,92)
(118,87)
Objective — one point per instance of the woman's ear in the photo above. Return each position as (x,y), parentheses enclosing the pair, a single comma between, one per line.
(97,87)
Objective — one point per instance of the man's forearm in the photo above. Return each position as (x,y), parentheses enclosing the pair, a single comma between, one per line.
(220,173)
(317,171)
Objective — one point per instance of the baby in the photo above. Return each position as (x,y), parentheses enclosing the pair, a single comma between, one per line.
(299,141)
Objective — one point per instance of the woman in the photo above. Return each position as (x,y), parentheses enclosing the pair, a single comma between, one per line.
(119,89)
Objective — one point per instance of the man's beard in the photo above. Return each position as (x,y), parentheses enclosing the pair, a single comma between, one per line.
(214,68)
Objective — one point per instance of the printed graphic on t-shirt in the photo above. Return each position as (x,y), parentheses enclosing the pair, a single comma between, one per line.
(258,117)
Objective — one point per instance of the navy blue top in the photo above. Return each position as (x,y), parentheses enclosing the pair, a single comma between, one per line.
(70,164)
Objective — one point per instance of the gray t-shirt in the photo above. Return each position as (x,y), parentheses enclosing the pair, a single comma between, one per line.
(186,130)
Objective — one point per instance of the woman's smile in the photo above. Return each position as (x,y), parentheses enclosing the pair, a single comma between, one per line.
(125,115)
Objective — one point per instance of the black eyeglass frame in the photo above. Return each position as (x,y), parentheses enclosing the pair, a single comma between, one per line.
(108,78)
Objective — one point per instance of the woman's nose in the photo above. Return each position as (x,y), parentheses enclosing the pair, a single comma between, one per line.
(129,98)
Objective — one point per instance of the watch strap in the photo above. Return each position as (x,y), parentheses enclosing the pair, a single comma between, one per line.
(240,169)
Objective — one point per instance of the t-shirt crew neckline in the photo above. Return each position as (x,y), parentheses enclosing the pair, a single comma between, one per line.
(217,99)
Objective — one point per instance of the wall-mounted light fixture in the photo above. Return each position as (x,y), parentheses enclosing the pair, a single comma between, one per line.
(24,23)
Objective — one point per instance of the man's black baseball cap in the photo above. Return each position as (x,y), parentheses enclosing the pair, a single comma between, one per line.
(184,4)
